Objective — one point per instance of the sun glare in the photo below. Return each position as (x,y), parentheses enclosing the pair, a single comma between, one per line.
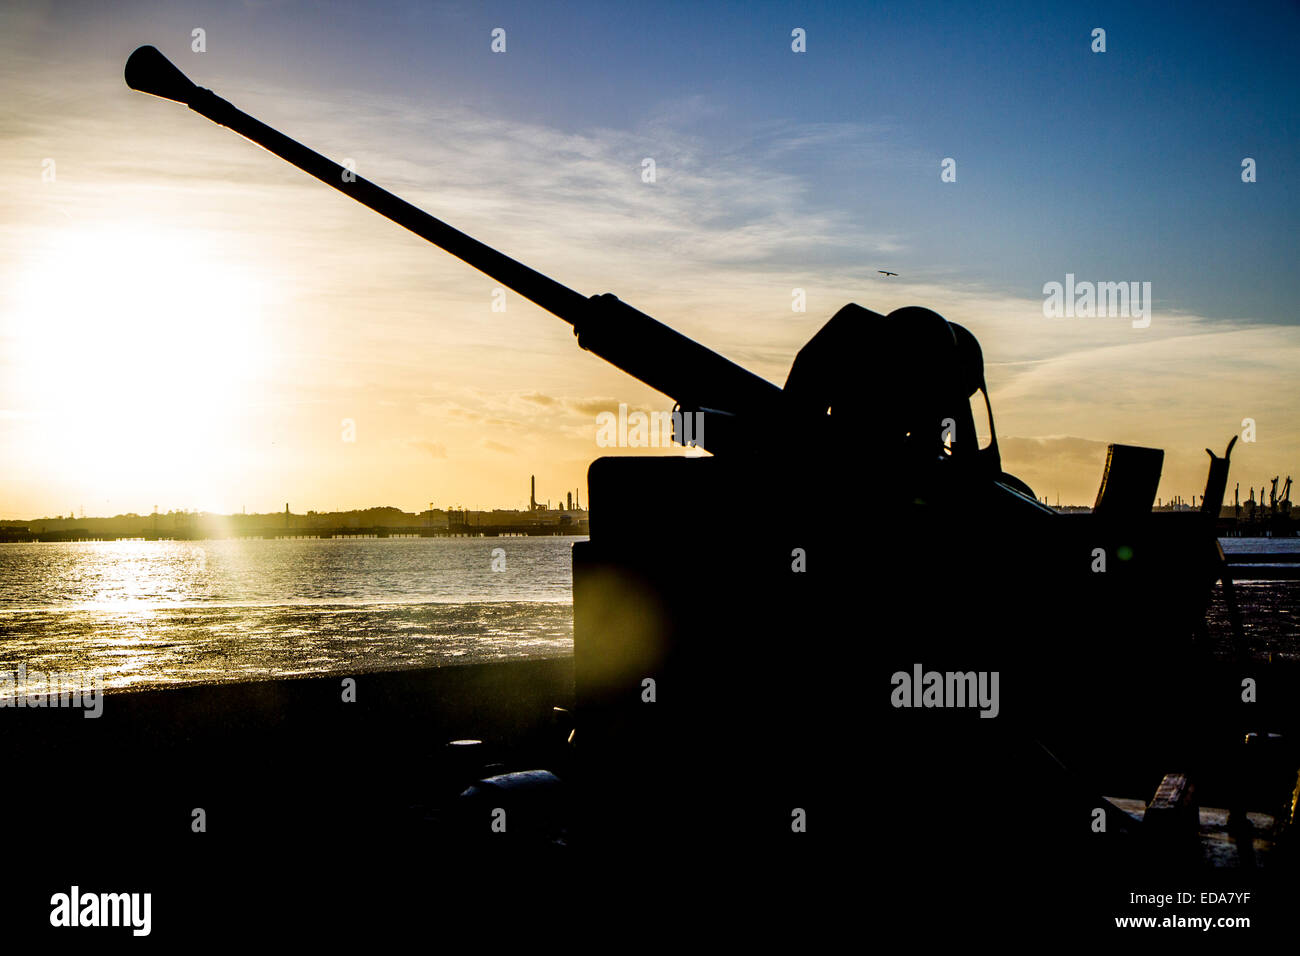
(128,337)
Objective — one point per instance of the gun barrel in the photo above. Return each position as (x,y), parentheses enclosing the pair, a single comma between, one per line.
(541,289)
(694,375)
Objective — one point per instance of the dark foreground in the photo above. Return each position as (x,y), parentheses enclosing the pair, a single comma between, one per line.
(326,818)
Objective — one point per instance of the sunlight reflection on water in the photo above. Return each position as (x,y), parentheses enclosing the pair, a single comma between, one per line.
(160,613)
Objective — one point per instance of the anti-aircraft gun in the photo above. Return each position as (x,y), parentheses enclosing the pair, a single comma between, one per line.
(744,623)
(743,412)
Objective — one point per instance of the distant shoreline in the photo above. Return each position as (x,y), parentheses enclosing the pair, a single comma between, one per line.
(570,530)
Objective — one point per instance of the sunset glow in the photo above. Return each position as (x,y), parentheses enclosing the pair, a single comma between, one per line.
(205,320)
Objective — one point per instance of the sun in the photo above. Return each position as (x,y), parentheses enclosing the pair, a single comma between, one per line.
(129,337)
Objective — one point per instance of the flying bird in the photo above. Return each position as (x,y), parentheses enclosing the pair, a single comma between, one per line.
(884,273)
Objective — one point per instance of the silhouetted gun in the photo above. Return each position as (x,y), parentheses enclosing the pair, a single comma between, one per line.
(739,405)
(711,599)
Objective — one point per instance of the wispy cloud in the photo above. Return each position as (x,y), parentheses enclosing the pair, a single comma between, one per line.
(432,448)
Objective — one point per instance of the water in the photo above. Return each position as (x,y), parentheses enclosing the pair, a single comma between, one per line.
(153,614)
(1270,610)
(161,613)
(1289,545)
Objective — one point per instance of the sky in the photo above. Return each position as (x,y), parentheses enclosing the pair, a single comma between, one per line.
(188,322)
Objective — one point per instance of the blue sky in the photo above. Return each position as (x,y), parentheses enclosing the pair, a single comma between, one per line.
(775,170)
(1067,159)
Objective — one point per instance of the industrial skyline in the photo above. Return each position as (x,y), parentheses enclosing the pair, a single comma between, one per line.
(571,502)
